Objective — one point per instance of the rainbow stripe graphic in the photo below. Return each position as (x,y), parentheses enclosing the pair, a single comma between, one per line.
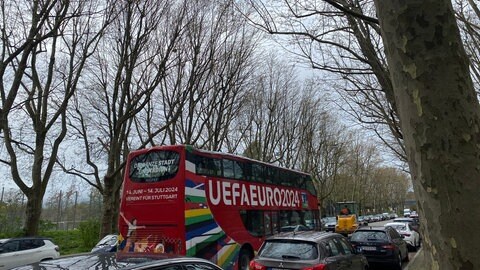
(204,238)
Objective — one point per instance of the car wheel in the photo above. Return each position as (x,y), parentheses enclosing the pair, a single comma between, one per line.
(398,264)
(244,259)
(406,257)
(414,246)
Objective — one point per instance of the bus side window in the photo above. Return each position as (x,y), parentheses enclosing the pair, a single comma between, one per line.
(246,170)
(217,167)
(208,166)
(275,225)
(238,170)
(201,165)
(253,221)
(310,186)
(287,178)
(267,220)
(228,168)
(271,175)
(257,173)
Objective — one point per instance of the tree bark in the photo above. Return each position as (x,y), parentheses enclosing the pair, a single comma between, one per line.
(33,212)
(108,207)
(440,116)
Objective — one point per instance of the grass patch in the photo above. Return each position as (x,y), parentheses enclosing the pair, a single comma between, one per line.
(70,242)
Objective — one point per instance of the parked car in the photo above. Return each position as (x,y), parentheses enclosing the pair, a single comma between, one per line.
(19,251)
(412,221)
(124,261)
(380,245)
(362,221)
(409,234)
(308,250)
(328,224)
(107,244)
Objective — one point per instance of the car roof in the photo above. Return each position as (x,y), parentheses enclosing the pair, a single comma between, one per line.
(111,260)
(395,224)
(302,235)
(371,228)
(403,219)
(24,238)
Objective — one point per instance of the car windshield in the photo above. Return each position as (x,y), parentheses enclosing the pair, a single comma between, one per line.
(369,236)
(300,250)
(108,240)
(330,219)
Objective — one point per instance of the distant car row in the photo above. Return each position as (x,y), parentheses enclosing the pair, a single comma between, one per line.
(328,223)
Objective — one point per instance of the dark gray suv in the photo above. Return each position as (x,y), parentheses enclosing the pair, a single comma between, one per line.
(308,250)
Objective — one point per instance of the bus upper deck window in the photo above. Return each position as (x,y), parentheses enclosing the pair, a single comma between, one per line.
(154,166)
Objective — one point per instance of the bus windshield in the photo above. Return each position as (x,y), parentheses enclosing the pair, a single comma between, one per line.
(154,166)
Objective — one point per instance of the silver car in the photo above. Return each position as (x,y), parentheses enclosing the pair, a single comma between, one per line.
(19,251)
(308,249)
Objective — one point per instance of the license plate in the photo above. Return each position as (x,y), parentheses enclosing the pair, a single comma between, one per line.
(369,248)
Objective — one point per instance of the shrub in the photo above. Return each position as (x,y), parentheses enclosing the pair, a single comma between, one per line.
(46,225)
(69,241)
(89,232)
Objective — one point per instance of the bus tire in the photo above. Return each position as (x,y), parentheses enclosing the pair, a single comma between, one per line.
(244,258)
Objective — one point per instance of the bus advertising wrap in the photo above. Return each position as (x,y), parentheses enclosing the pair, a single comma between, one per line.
(229,193)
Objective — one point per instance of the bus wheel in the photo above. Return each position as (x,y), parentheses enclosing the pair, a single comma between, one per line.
(246,255)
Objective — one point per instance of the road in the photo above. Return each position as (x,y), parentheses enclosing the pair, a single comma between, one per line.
(411,254)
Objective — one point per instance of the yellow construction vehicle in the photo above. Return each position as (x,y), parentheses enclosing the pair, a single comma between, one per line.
(347,221)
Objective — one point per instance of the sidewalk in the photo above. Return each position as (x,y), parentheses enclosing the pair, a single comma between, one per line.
(417,262)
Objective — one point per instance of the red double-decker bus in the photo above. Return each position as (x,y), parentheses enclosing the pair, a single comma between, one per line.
(182,200)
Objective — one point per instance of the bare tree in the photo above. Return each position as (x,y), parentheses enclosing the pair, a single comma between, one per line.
(44,83)
(129,66)
(265,108)
(324,145)
(468,16)
(214,62)
(342,39)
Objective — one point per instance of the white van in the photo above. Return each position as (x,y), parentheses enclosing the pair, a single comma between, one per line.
(406,212)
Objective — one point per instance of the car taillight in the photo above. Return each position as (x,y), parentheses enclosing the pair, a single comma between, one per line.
(316,267)
(392,247)
(256,266)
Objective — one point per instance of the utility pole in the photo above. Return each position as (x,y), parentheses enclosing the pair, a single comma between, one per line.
(59,209)
(75,209)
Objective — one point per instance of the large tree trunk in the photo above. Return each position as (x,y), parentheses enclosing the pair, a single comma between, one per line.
(111,204)
(108,207)
(440,117)
(33,213)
